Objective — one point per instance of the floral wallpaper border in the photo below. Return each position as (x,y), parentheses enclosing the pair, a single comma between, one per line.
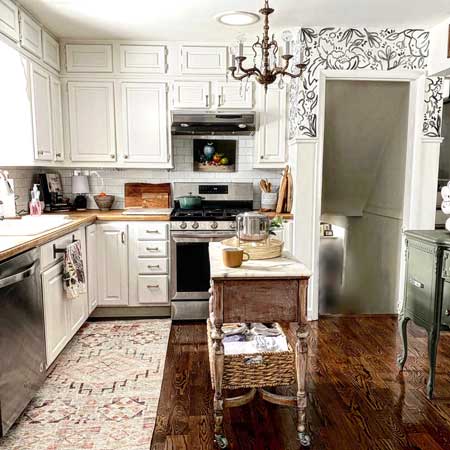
(352,49)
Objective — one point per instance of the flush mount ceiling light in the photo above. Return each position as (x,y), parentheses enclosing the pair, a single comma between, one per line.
(237,18)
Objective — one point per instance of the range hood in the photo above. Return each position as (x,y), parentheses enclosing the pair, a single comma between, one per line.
(195,123)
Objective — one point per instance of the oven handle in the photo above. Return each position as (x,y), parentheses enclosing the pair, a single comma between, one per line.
(198,237)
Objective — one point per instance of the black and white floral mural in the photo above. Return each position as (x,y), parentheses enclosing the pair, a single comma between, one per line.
(351,49)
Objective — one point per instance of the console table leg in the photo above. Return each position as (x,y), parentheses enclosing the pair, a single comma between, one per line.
(433,338)
(401,359)
(301,361)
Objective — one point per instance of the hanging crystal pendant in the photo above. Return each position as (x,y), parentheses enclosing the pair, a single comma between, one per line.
(281,82)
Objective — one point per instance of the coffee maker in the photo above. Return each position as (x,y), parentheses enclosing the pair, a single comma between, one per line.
(52,192)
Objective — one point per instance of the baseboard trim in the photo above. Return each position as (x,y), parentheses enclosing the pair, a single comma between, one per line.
(130,312)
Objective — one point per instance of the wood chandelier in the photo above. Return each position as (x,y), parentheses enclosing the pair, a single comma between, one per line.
(269,69)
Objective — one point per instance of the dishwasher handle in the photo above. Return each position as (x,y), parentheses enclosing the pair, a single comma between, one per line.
(17,277)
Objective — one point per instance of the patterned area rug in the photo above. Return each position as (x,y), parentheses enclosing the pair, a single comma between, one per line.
(102,394)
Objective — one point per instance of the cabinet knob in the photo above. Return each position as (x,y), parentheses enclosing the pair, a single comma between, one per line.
(125,156)
(262,157)
(58,155)
(112,155)
(153,266)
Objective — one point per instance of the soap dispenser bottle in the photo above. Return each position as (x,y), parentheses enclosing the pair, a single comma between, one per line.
(35,203)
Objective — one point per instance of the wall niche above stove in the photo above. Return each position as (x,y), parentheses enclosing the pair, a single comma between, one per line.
(215,155)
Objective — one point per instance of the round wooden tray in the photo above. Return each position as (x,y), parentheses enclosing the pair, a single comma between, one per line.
(258,250)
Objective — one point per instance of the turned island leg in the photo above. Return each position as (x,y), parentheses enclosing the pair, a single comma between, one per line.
(301,363)
(218,355)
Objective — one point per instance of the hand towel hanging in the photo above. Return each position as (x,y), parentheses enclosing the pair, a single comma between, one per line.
(74,277)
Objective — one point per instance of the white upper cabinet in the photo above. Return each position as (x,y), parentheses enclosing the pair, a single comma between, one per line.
(144,122)
(191,94)
(206,60)
(91,121)
(142,58)
(57,122)
(272,131)
(30,35)
(234,95)
(9,19)
(89,58)
(42,113)
(50,50)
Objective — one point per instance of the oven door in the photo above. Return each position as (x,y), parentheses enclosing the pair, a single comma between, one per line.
(190,274)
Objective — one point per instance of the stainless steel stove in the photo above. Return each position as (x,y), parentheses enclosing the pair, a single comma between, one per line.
(191,232)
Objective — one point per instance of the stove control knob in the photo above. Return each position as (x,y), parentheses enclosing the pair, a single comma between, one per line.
(195,225)
(183,225)
(214,225)
(233,225)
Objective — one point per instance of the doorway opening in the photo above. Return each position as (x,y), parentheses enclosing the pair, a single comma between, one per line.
(365,146)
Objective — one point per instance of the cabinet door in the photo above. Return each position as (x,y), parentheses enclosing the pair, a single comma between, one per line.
(208,60)
(50,50)
(55,312)
(142,58)
(92,269)
(89,58)
(112,266)
(42,113)
(91,121)
(9,19)
(144,122)
(77,308)
(58,140)
(272,131)
(191,94)
(234,95)
(31,35)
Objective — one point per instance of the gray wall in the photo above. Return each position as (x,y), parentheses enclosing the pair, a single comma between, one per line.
(371,145)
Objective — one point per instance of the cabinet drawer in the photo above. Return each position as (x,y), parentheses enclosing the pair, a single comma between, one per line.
(152,266)
(152,289)
(420,283)
(151,231)
(151,248)
(48,257)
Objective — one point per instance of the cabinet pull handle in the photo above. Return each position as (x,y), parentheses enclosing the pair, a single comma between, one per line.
(152,249)
(125,156)
(152,286)
(58,155)
(207,100)
(153,266)
(151,231)
(220,100)
(447,312)
(122,237)
(416,283)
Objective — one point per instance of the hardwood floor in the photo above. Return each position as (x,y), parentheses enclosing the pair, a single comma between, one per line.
(357,398)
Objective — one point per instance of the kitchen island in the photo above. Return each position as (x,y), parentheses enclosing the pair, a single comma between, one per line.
(267,291)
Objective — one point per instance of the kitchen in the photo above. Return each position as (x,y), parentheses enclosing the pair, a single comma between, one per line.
(144,151)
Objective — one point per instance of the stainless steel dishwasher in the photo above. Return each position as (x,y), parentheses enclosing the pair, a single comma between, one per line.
(22,339)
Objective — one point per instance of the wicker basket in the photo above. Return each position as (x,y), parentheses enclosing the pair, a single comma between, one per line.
(254,370)
(273,248)
(104,202)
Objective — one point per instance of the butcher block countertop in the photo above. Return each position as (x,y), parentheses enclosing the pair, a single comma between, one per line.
(285,266)
(13,245)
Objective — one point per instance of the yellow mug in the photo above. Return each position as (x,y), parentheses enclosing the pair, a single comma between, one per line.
(234,256)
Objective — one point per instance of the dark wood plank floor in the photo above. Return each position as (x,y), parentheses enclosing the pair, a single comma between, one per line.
(358,399)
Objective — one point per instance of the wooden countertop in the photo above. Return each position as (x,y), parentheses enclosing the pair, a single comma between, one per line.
(272,214)
(113,215)
(284,267)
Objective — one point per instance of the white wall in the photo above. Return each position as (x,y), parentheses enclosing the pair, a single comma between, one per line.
(16,135)
(439,62)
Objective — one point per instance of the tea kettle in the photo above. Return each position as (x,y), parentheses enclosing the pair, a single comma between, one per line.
(252,226)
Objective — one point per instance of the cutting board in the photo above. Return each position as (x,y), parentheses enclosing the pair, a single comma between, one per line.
(282,191)
(147,195)
(290,192)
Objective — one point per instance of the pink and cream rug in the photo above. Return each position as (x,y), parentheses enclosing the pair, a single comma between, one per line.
(102,394)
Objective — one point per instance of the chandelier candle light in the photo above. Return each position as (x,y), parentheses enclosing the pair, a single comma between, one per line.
(269,70)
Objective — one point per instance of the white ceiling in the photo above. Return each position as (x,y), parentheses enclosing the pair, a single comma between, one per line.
(194,19)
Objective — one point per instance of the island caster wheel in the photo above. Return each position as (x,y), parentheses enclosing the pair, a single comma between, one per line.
(305,439)
(221,441)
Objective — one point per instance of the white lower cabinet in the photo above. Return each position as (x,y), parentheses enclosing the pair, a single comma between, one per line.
(112,264)
(63,316)
(92,267)
(149,263)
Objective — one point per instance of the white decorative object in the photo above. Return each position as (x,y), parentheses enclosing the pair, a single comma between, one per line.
(445,205)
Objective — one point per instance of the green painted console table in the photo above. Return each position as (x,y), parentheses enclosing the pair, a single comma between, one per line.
(427,291)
